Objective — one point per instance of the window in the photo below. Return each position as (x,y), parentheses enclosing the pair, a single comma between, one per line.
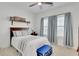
(45,29)
(60,25)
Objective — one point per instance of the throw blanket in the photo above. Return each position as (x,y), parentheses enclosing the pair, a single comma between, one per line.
(24,41)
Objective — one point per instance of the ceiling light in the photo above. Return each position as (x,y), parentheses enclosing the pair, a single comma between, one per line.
(39,3)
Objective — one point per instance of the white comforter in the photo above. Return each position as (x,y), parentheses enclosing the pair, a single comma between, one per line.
(27,45)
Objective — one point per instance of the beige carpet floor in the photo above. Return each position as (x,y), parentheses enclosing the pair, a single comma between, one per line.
(64,51)
(8,52)
(58,51)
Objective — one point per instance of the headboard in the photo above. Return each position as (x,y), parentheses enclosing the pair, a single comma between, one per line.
(15,29)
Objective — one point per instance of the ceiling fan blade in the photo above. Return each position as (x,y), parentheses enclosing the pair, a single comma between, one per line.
(49,3)
(33,4)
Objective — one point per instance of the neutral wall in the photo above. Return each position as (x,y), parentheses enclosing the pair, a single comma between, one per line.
(73,8)
(7,10)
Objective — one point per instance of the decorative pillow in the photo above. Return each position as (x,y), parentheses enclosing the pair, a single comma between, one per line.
(14,33)
(17,33)
(29,31)
(24,33)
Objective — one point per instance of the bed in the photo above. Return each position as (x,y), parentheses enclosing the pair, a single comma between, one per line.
(27,44)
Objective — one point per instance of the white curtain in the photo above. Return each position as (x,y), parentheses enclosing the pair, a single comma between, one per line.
(68,30)
(52,29)
(41,26)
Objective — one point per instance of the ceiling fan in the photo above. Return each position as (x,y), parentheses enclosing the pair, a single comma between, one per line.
(41,3)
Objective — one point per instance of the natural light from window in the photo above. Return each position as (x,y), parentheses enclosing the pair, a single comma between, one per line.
(60,25)
(45,32)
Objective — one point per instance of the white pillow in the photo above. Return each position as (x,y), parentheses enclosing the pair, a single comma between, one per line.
(24,33)
(14,33)
(17,33)
(29,31)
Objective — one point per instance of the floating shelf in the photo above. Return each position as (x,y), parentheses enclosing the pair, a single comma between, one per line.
(20,27)
(18,19)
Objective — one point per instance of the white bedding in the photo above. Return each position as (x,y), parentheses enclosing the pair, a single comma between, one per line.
(27,45)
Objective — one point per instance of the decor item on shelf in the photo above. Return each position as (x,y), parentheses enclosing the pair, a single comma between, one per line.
(28,22)
(18,19)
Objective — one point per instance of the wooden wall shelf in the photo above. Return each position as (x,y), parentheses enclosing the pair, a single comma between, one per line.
(18,19)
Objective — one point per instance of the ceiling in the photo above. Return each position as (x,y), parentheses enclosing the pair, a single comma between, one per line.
(36,9)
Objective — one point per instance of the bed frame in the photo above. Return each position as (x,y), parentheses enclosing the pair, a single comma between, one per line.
(15,29)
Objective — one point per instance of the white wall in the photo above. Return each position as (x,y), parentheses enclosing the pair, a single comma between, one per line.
(73,8)
(7,10)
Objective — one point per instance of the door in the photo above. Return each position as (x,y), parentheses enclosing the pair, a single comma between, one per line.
(78,42)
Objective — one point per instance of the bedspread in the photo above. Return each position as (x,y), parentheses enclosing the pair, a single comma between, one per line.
(27,45)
